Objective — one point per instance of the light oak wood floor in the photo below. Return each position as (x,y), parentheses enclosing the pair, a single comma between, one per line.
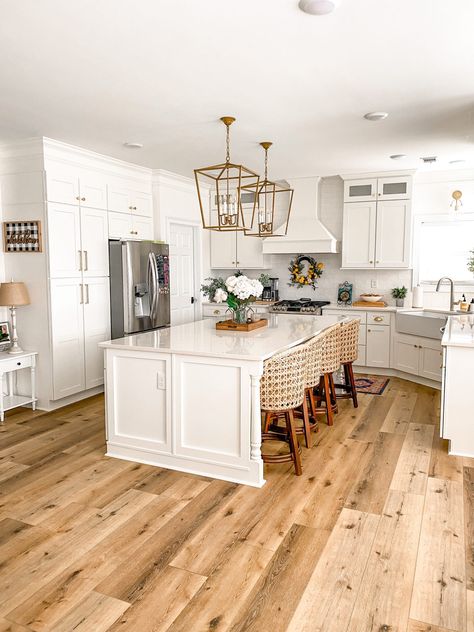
(378,533)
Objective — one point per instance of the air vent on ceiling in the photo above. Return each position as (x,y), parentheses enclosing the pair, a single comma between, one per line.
(429,160)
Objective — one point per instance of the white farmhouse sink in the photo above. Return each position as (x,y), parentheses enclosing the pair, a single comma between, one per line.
(424,323)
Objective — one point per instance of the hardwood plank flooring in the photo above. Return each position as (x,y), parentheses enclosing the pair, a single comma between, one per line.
(377,535)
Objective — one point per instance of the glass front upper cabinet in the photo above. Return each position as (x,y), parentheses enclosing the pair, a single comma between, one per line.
(397,188)
(360,190)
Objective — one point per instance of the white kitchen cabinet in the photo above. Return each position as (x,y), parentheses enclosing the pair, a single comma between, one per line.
(405,354)
(80,319)
(358,245)
(378,346)
(71,185)
(431,360)
(142,227)
(94,242)
(364,190)
(77,240)
(393,234)
(96,328)
(394,188)
(67,334)
(127,226)
(92,190)
(377,223)
(376,234)
(236,250)
(418,356)
(64,241)
(127,198)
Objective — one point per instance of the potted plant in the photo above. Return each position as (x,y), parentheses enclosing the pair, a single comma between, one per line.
(399,294)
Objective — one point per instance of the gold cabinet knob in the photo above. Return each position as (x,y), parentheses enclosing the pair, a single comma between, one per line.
(83,199)
(77,198)
(370,261)
(217,311)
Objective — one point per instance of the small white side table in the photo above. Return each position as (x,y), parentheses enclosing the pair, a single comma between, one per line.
(9,364)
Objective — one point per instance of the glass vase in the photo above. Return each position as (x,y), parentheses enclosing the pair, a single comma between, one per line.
(239,315)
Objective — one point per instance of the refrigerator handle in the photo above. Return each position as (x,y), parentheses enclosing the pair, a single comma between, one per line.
(152,285)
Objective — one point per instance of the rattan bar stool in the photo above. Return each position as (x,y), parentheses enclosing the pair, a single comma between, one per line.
(313,378)
(349,334)
(282,390)
(330,362)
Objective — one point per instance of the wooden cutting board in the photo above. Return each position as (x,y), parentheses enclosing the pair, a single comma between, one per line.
(367,304)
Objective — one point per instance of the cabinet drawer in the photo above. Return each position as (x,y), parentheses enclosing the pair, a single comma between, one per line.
(375,318)
(214,310)
(14,364)
(362,316)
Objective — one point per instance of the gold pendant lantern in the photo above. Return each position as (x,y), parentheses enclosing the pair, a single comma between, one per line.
(225,182)
(272,204)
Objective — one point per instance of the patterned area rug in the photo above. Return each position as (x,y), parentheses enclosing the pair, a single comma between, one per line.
(372,384)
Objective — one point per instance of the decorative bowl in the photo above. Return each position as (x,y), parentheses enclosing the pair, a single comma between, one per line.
(371,298)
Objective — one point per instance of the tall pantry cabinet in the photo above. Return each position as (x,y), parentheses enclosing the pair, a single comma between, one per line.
(67,188)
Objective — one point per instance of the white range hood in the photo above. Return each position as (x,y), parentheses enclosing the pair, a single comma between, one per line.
(306,232)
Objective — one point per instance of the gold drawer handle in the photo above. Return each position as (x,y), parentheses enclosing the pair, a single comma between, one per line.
(378,319)
(217,311)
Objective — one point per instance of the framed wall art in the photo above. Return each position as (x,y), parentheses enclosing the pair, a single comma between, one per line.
(22,236)
(5,340)
(344,294)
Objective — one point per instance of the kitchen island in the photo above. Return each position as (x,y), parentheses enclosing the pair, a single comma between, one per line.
(188,397)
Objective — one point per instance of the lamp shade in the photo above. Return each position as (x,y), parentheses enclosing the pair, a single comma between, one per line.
(14,294)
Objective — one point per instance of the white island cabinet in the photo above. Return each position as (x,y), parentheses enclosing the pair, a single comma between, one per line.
(457,394)
(188,397)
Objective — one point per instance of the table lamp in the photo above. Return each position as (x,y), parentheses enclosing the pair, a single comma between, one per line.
(13,295)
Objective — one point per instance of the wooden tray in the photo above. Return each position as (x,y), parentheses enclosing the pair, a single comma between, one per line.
(368,304)
(229,325)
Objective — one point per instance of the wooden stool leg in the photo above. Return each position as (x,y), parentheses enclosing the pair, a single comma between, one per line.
(327,399)
(290,420)
(353,385)
(332,388)
(307,430)
(268,421)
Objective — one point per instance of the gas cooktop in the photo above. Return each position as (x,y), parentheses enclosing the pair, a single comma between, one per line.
(301,306)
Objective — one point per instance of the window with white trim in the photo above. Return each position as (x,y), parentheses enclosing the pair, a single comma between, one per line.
(443,249)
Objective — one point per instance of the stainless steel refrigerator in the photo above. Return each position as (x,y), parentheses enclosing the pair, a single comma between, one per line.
(139,286)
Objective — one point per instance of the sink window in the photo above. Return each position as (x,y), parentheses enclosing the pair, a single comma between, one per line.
(443,250)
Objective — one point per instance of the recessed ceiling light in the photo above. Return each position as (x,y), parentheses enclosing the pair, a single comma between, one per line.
(456,162)
(133,145)
(318,7)
(398,156)
(376,116)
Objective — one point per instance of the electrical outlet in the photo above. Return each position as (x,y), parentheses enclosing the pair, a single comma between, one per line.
(373,283)
(160,381)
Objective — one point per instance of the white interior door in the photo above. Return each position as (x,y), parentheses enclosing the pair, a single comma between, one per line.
(181,273)
(96,328)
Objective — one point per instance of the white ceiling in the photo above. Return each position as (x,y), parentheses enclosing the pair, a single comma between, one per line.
(96,73)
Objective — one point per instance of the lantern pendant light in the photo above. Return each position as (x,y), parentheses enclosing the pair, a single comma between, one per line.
(225,182)
(272,203)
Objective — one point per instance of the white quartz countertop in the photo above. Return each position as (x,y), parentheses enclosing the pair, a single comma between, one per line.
(459,331)
(202,339)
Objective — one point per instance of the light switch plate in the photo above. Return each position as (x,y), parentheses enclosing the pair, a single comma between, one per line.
(373,283)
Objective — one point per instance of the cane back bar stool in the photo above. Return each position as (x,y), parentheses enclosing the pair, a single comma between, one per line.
(330,362)
(313,376)
(282,390)
(349,334)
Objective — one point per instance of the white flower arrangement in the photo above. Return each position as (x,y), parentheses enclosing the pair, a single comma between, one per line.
(220,295)
(243,288)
